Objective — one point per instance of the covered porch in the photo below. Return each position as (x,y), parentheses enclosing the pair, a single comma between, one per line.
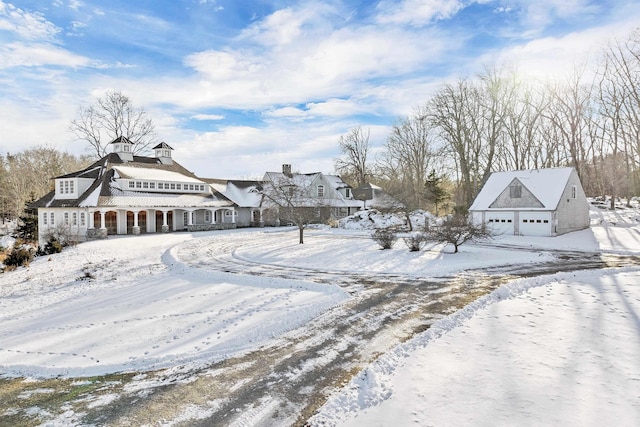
(122,221)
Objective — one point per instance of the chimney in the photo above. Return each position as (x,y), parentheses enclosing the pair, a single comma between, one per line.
(286,170)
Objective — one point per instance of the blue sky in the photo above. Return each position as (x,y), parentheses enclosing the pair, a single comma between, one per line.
(239,87)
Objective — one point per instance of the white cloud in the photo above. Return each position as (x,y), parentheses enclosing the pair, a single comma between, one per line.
(550,58)
(287,26)
(332,65)
(26,25)
(417,12)
(38,54)
(208,117)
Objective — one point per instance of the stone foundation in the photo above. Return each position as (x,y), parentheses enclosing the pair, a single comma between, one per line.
(96,233)
(207,227)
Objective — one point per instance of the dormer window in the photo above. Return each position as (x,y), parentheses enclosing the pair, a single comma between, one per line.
(515,191)
(320,190)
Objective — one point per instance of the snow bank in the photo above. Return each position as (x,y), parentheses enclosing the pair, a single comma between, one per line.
(557,350)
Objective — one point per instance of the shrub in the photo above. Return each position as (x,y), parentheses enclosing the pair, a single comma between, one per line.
(384,237)
(53,246)
(19,256)
(415,241)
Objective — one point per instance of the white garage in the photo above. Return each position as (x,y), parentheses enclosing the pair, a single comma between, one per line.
(535,202)
(500,222)
(535,224)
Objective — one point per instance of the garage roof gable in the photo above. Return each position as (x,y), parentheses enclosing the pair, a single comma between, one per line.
(541,189)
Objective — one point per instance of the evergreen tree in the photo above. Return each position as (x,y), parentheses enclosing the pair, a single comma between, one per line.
(28,222)
(434,190)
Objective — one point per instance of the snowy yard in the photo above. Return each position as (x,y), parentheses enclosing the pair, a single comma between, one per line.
(558,349)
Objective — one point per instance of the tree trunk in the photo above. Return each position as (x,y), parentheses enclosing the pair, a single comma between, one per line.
(301,232)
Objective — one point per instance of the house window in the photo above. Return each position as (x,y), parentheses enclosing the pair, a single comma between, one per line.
(66,218)
(173,186)
(515,191)
(320,190)
(179,186)
(132,184)
(185,218)
(66,187)
(160,186)
(574,191)
(52,217)
(83,220)
(191,187)
(74,219)
(126,148)
(71,189)
(138,184)
(145,185)
(207,216)
(44,219)
(152,185)
(228,213)
(347,192)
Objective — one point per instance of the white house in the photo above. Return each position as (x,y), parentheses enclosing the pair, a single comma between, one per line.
(312,190)
(537,202)
(127,194)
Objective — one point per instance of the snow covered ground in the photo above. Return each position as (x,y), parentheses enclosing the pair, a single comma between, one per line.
(552,350)
(558,350)
(127,304)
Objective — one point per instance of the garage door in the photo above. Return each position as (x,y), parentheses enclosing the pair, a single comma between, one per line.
(535,223)
(500,222)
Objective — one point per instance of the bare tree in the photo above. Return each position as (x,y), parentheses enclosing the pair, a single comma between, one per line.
(296,202)
(457,230)
(569,113)
(408,156)
(523,145)
(619,102)
(31,172)
(110,117)
(469,118)
(355,150)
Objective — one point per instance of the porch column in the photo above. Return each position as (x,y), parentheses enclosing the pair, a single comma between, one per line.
(233,216)
(102,221)
(136,228)
(213,218)
(165,226)
(91,221)
(189,217)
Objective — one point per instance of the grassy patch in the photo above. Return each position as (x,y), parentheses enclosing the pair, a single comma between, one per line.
(28,402)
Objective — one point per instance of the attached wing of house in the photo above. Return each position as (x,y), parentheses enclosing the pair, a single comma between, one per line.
(541,202)
(247,196)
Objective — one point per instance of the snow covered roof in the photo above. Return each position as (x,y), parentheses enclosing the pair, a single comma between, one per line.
(299,179)
(153,174)
(336,182)
(244,193)
(547,185)
(120,198)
